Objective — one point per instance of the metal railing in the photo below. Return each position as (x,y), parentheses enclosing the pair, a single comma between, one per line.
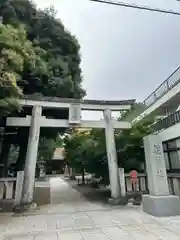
(167,121)
(169,83)
(142,184)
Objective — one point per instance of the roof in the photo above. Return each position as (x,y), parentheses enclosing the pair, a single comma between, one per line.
(82,101)
(58,154)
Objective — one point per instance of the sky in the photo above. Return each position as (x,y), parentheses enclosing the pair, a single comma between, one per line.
(126,53)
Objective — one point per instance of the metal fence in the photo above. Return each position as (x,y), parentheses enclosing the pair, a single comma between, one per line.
(142,184)
(167,121)
(169,83)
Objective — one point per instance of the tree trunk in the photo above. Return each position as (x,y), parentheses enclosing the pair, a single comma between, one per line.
(4,156)
(83,177)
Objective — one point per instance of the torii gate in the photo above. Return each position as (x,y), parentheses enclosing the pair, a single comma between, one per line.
(36,121)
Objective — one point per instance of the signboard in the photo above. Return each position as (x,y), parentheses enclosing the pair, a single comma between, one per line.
(159,163)
(75,114)
(156,170)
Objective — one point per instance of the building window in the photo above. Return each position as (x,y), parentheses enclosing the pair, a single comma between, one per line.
(172,145)
(172,154)
(178,143)
(166,160)
(165,147)
(174,160)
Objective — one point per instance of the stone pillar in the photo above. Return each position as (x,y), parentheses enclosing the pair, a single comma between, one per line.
(122,182)
(31,156)
(159,202)
(112,156)
(19,186)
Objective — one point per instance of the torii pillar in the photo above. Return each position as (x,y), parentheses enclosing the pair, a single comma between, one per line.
(31,156)
(112,158)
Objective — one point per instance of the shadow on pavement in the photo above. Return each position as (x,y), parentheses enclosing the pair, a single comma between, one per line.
(91,194)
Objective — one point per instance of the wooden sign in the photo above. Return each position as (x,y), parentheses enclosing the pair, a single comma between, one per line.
(75,114)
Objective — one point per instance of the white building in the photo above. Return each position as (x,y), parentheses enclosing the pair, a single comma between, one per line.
(164,104)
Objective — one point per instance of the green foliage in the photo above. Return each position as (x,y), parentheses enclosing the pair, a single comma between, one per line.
(46,149)
(88,150)
(43,58)
(129,145)
(46,32)
(135,111)
(11,64)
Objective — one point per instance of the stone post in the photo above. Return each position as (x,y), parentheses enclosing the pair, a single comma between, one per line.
(31,156)
(159,202)
(112,157)
(19,186)
(122,182)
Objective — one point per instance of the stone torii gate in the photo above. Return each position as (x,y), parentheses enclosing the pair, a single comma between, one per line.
(36,121)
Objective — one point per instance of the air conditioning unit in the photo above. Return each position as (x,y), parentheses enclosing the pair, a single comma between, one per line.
(74,114)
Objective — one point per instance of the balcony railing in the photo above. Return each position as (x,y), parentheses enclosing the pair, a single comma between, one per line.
(167,121)
(169,83)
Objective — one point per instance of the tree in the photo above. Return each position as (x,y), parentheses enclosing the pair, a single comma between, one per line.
(87,150)
(56,70)
(47,32)
(46,149)
(11,65)
(74,151)
(129,145)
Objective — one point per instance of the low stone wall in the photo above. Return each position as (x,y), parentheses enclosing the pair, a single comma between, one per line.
(42,194)
(7,194)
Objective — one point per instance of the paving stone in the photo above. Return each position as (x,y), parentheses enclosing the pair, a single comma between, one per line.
(102,221)
(93,231)
(73,236)
(65,223)
(47,236)
(87,221)
(129,227)
(83,222)
(19,237)
(142,235)
(95,236)
(165,234)
(115,233)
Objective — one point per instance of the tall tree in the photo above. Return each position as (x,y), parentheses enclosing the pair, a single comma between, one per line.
(45,30)
(57,72)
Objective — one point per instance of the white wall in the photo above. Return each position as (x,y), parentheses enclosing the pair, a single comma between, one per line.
(164,99)
(170,133)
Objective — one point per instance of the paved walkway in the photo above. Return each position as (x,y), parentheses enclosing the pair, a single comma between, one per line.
(84,220)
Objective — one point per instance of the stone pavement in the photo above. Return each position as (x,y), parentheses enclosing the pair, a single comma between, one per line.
(84,220)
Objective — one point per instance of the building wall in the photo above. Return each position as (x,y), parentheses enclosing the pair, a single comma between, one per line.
(170,133)
(171,144)
(58,154)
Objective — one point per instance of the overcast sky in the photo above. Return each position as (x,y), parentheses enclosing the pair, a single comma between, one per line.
(126,53)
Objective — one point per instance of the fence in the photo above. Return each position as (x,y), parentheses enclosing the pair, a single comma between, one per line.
(167,121)
(11,189)
(7,188)
(142,184)
(167,85)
